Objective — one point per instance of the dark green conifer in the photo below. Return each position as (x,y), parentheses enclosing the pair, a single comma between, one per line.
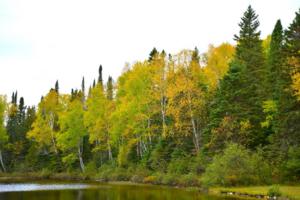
(100,79)
(240,94)
(109,88)
(152,54)
(56,86)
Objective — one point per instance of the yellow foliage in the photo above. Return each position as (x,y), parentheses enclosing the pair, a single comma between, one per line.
(217,63)
(296,84)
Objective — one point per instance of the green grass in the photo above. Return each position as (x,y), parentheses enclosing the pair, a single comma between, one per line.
(292,192)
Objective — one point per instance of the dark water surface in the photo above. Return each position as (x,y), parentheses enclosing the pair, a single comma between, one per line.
(93,191)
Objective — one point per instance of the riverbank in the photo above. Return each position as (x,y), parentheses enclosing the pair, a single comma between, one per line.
(288,192)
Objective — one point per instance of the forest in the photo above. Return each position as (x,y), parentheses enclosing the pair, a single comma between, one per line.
(226,117)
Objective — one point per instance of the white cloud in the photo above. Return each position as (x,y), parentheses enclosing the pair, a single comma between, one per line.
(68,39)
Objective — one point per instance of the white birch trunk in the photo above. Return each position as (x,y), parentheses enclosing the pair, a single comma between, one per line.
(1,162)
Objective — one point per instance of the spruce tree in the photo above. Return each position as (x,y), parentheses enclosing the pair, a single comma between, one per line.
(83,90)
(287,138)
(83,85)
(240,93)
(109,88)
(195,55)
(100,79)
(275,62)
(152,54)
(289,107)
(56,86)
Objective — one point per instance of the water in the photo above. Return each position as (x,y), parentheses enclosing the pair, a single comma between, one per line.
(95,191)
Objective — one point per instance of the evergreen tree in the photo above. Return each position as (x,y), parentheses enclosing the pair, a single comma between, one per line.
(100,79)
(152,54)
(275,62)
(274,79)
(83,85)
(83,89)
(240,94)
(21,115)
(195,55)
(289,107)
(109,88)
(56,86)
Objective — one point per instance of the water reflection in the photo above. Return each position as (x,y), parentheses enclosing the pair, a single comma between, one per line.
(22,187)
(97,192)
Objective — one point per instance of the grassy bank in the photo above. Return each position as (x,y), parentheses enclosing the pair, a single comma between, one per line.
(292,192)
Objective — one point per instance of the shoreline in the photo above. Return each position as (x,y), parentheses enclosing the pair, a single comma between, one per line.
(253,192)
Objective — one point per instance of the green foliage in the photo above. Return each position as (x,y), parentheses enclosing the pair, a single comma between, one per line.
(274,191)
(3,134)
(292,168)
(236,166)
(170,179)
(240,93)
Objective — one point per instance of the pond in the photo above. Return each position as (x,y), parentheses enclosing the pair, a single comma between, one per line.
(97,191)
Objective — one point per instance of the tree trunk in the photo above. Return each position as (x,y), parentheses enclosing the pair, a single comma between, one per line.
(52,135)
(163,116)
(1,162)
(195,134)
(163,101)
(110,157)
(80,156)
(149,134)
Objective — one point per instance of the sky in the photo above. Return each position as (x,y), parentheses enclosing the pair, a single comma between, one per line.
(42,41)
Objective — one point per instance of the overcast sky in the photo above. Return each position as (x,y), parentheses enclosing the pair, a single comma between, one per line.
(45,40)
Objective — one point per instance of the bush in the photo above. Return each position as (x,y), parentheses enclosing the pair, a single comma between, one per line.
(137,179)
(154,179)
(120,174)
(274,191)
(292,168)
(236,166)
(90,168)
(189,180)
(45,173)
(170,179)
(179,166)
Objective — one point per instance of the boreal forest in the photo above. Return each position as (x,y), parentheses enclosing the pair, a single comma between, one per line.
(229,116)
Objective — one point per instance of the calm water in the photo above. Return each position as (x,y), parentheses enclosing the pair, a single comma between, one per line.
(91,191)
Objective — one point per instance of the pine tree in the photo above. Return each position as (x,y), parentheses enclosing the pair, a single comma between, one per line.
(152,54)
(274,62)
(274,79)
(109,88)
(100,79)
(240,94)
(56,86)
(83,85)
(289,107)
(83,89)
(13,98)
(195,55)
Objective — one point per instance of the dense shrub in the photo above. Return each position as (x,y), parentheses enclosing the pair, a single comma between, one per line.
(236,166)
(292,168)
(189,180)
(153,179)
(179,166)
(170,179)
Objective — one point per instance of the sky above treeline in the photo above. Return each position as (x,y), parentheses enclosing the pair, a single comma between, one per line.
(42,41)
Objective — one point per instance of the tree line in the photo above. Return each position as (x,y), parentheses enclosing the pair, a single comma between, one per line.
(216,115)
